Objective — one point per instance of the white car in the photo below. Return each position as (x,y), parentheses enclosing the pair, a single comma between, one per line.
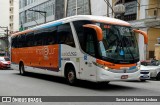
(144,73)
(154,71)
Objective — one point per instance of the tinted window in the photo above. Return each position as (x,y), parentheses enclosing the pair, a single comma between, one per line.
(46,36)
(79,29)
(65,35)
(29,39)
(90,43)
(14,42)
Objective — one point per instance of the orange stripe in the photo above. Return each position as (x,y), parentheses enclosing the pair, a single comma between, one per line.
(112,65)
(23,32)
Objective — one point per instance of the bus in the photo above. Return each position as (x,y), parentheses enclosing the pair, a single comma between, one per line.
(84,47)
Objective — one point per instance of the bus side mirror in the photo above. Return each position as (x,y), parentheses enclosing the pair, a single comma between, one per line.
(97,29)
(144,35)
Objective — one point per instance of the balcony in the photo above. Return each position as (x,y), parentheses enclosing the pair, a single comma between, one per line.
(152,13)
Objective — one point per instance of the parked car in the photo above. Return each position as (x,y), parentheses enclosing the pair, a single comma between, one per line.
(144,74)
(153,67)
(5,63)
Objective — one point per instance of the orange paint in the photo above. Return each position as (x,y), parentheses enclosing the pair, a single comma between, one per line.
(39,56)
(21,33)
(144,34)
(97,29)
(112,65)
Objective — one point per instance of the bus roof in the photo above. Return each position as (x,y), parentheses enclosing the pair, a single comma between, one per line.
(102,19)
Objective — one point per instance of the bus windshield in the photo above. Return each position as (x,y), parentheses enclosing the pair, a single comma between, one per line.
(119,44)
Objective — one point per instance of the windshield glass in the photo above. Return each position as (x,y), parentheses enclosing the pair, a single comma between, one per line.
(119,44)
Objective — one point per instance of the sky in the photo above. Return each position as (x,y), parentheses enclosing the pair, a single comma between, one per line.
(4,13)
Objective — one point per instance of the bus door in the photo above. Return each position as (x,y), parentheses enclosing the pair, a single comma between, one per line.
(87,68)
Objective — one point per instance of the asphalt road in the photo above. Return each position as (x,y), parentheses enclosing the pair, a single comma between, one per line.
(13,84)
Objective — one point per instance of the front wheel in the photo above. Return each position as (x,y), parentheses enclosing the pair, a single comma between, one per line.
(71,76)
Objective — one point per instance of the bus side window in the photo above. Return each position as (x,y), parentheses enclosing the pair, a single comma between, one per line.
(90,42)
(14,42)
(30,39)
(65,35)
(51,36)
(21,41)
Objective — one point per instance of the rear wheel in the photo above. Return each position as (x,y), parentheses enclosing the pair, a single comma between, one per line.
(71,76)
(21,69)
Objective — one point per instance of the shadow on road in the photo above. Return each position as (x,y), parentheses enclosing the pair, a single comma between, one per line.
(80,83)
(6,69)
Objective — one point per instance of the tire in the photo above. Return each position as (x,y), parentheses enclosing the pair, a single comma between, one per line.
(22,69)
(143,80)
(71,76)
(158,76)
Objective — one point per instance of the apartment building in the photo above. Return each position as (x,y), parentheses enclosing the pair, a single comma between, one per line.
(13,16)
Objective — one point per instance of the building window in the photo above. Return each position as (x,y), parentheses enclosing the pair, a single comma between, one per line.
(131,10)
(83,7)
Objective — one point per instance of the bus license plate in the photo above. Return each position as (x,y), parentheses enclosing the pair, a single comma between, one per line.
(124,76)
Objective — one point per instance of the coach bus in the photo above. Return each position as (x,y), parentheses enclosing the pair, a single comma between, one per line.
(92,48)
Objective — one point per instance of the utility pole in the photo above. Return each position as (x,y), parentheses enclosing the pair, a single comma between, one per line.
(44,12)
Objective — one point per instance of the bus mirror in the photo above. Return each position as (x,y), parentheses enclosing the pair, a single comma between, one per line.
(97,29)
(144,35)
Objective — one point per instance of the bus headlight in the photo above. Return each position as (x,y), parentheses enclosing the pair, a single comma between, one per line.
(101,66)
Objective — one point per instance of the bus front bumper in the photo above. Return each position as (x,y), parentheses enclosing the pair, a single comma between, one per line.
(104,75)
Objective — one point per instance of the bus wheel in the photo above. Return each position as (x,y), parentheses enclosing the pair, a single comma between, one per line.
(22,70)
(71,76)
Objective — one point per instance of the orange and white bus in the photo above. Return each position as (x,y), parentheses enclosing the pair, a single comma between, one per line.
(93,48)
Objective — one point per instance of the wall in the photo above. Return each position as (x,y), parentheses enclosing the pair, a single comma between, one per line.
(4,4)
(153,34)
(16,16)
(100,8)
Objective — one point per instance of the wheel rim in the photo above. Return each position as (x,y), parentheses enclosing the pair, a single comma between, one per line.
(71,77)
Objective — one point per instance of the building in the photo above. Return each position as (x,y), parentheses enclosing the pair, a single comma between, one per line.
(101,8)
(3,23)
(30,11)
(35,12)
(78,7)
(148,20)
(13,16)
